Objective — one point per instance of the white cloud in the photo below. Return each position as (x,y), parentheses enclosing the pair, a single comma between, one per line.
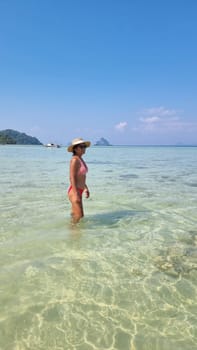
(121,126)
(150,120)
(159,115)
(160,112)
(160,118)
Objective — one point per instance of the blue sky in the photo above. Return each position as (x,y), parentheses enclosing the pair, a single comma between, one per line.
(125,70)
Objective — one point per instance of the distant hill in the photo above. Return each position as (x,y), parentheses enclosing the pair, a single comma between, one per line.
(102,142)
(10,136)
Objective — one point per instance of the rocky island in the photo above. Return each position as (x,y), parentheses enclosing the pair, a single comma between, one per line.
(102,142)
(13,137)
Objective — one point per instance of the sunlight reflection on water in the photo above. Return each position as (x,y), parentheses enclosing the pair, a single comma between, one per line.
(124,277)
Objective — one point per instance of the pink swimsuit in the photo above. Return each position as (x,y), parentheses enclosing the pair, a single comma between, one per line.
(83,168)
(82,171)
(80,190)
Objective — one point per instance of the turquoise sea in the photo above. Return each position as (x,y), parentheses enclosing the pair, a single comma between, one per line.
(125,277)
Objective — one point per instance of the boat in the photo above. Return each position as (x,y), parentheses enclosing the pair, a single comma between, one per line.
(52,145)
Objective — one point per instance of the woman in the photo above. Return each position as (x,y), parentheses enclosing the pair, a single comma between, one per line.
(78,171)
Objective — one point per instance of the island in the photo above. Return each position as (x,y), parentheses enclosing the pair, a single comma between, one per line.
(102,142)
(10,137)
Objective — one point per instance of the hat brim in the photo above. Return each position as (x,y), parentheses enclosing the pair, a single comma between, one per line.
(70,148)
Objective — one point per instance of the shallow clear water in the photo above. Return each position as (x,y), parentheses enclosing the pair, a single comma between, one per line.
(125,278)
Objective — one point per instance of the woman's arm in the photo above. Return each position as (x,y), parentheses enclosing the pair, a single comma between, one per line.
(87,193)
(74,167)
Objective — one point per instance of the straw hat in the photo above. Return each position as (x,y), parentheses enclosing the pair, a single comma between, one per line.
(76,142)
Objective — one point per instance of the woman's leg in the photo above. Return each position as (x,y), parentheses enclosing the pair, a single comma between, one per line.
(77,208)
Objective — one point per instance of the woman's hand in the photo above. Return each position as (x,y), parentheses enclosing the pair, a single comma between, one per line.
(87,193)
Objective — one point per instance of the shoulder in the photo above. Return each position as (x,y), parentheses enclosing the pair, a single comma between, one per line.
(75,161)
